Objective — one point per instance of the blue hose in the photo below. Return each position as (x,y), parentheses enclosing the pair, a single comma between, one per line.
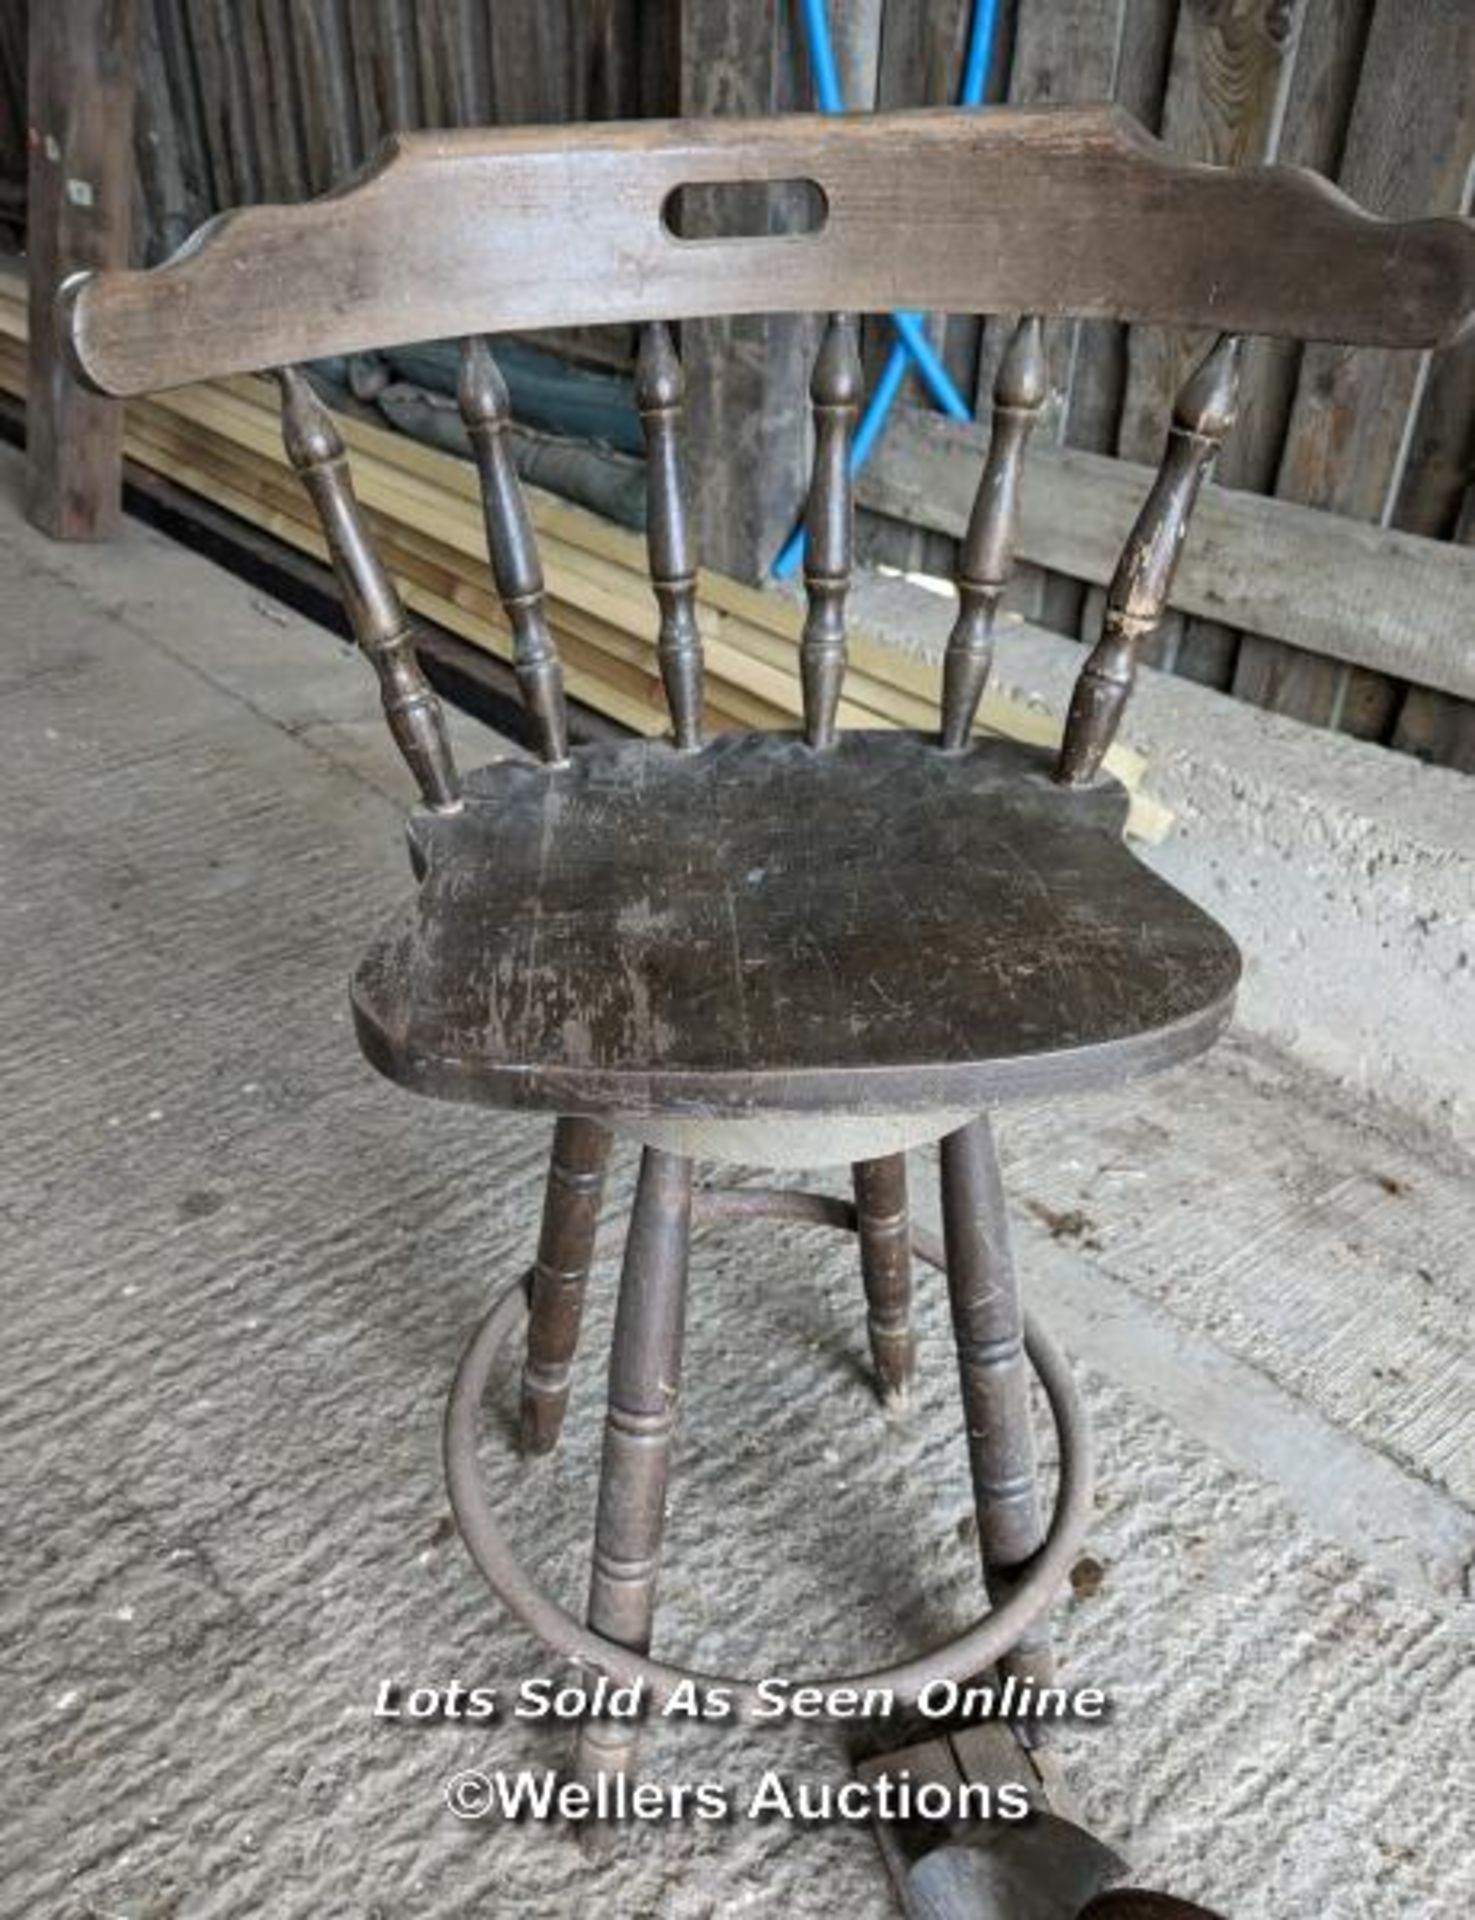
(911,343)
(981,31)
(822,57)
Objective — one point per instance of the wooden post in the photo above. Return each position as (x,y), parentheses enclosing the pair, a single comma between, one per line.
(79,215)
(856,35)
(746,376)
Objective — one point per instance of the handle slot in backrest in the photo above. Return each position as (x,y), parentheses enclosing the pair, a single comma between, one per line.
(707,210)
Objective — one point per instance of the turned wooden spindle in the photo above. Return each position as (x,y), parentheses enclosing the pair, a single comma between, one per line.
(986,563)
(988,1330)
(834,394)
(659,392)
(1138,594)
(560,1276)
(644,1388)
(511,547)
(375,611)
(883,1223)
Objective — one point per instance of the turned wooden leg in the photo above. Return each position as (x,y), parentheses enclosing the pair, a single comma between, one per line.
(989,1330)
(644,1377)
(886,1268)
(560,1273)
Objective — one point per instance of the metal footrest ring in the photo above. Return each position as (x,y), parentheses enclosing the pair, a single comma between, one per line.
(959,1659)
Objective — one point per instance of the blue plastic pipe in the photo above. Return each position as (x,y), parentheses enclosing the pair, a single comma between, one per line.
(822,66)
(981,31)
(911,343)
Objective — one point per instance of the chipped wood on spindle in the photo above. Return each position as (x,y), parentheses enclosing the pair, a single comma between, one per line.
(986,562)
(512,547)
(884,1228)
(829,519)
(1138,594)
(375,611)
(560,1276)
(659,394)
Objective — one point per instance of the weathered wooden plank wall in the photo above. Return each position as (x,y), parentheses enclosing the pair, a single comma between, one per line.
(249,100)
(1380,96)
(278,99)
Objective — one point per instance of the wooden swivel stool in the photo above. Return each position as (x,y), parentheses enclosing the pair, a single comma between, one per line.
(809,948)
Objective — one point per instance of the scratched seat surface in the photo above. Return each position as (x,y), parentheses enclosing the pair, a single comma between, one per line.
(759,926)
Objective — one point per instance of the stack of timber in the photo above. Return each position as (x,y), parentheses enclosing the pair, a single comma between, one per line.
(221,439)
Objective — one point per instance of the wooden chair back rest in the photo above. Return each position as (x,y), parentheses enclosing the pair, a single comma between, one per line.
(1039,211)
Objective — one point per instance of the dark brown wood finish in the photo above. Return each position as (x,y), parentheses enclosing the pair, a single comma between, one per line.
(988,1326)
(650,930)
(644,1385)
(1138,594)
(1071,211)
(560,1276)
(659,390)
(375,612)
(829,527)
(511,547)
(79,205)
(986,562)
(883,1222)
(843,922)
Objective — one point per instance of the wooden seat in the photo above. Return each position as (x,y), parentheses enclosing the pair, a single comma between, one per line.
(644,930)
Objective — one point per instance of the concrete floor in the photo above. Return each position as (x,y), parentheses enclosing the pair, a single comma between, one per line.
(238,1271)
